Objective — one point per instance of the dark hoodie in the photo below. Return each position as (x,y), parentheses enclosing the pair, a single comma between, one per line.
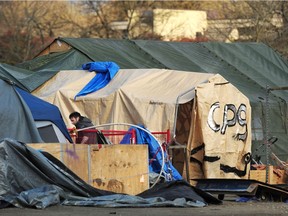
(83,123)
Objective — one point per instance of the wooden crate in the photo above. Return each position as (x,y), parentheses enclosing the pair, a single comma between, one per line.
(117,168)
(278,177)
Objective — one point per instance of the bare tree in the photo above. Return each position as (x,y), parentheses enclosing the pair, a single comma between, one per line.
(279,43)
(111,19)
(263,20)
(257,21)
(27,25)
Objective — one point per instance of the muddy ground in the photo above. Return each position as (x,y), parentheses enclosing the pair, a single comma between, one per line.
(229,207)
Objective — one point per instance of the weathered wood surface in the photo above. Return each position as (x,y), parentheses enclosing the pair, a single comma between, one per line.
(121,168)
(117,168)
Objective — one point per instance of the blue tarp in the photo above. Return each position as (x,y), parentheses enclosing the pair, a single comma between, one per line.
(142,137)
(44,111)
(105,72)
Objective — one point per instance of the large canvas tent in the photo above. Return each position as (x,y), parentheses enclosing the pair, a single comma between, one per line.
(251,67)
(139,96)
(162,99)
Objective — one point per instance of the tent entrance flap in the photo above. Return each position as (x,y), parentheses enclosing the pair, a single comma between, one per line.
(220,145)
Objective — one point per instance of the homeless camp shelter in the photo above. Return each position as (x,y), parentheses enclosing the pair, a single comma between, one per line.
(193,106)
(253,68)
(250,67)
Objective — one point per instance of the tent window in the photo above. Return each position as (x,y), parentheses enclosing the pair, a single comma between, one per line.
(48,134)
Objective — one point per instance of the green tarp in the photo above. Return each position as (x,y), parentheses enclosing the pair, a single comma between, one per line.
(251,67)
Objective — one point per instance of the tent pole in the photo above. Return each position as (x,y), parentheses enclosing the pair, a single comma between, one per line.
(89,164)
(174,129)
(177,106)
(267,134)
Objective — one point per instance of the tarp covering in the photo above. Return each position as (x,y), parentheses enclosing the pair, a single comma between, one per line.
(136,96)
(15,116)
(31,178)
(250,67)
(220,144)
(105,72)
(44,111)
(25,79)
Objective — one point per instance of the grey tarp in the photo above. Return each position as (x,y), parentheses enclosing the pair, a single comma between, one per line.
(31,178)
(16,119)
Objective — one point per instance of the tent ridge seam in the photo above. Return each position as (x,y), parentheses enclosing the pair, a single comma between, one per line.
(150,56)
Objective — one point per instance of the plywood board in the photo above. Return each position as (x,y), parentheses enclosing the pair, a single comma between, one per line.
(117,168)
(54,149)
(75,157)
(121,168)
(56,46)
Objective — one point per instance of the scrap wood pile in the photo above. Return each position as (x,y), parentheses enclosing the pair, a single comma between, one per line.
(278,173)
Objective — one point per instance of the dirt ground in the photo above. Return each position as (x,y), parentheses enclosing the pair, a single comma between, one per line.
(229,207)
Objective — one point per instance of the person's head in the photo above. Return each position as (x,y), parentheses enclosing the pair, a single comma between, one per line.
(74,117)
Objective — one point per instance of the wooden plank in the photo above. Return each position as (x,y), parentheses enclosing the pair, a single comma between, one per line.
(121,168)
(73,156)
(117,168)
(275,176)
(52,148)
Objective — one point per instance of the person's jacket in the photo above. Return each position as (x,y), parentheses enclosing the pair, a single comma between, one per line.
(83,123)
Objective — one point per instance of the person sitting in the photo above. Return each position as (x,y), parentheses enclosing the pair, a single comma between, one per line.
(81,122)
